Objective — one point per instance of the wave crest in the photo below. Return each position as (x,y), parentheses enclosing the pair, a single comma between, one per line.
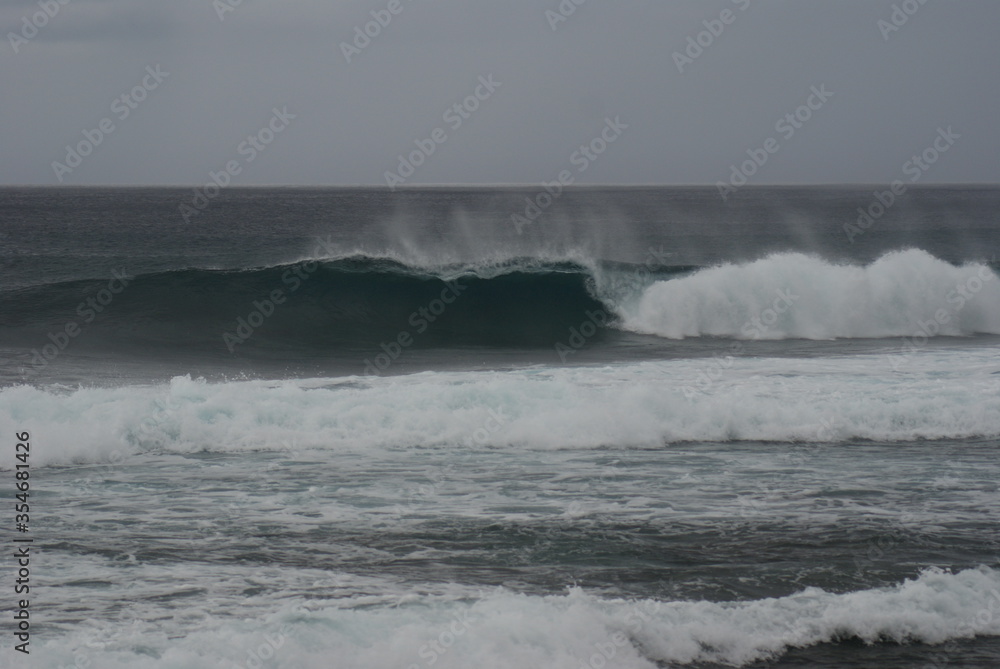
(358,301)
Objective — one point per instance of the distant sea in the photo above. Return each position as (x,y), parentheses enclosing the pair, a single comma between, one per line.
(503,427)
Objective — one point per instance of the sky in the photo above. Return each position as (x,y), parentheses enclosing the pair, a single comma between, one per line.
(363,92)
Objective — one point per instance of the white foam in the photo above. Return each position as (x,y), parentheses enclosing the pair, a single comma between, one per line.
(505,630)
(904,293)
(930,394)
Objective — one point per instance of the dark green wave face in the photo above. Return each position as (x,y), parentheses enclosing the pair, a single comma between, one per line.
(320,305)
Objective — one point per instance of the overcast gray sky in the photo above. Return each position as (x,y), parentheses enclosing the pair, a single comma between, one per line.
(689,118)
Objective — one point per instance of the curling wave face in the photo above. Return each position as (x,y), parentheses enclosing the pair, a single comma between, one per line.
(326,305)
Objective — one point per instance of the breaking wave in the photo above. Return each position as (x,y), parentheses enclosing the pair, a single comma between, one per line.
(326,305)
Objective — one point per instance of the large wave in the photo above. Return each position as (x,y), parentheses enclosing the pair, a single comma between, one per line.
(322,305)
(359,301)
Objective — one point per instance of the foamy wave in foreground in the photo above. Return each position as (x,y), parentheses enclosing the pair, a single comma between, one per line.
(791,295)
(930,394)
(504,630)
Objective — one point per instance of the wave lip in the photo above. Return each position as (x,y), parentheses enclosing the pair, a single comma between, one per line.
(903,293)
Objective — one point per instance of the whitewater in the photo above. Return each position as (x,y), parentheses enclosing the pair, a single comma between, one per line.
(902,293)
(938,395)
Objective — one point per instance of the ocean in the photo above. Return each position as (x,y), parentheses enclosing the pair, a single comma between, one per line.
(524,427)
